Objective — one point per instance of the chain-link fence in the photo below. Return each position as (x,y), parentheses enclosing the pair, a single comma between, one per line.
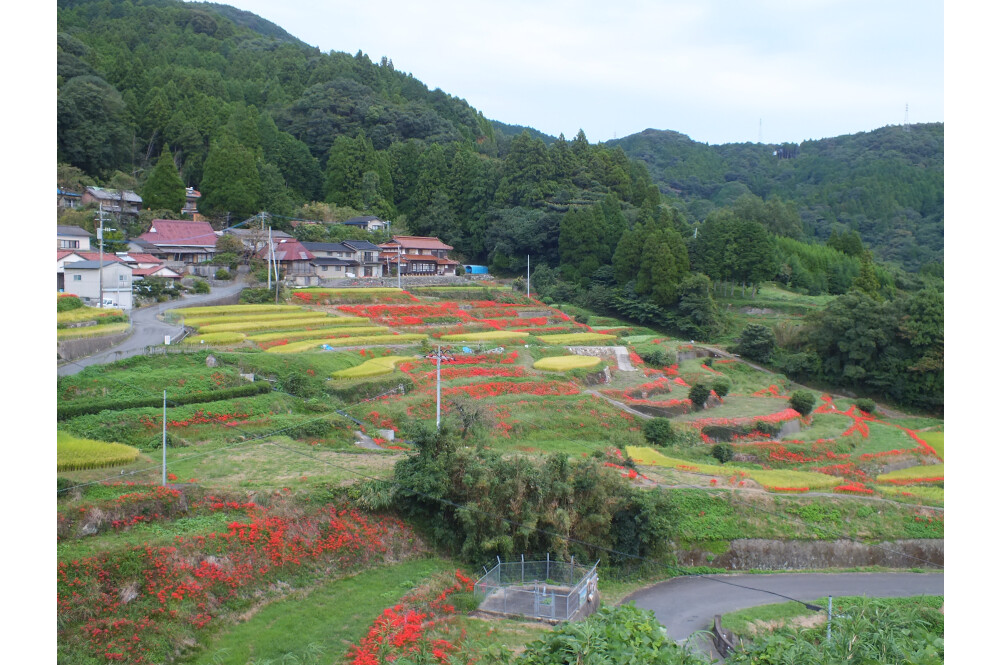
(548,589)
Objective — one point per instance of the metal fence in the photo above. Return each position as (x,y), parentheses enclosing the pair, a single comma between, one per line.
(548,589)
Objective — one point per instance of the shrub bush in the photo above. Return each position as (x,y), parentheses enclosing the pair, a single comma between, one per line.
(802,401)
(67,302)
(222,274)
(200,286)
(658,431)
(722,452)
(721,387)
(866,405)
(699,394)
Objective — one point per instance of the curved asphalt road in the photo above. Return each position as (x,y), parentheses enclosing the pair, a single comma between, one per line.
(147,330)
(685,605)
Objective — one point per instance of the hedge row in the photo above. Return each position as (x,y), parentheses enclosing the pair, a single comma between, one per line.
(357,390)
(72,410)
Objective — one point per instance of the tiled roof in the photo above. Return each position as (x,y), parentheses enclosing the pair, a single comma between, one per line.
(71,231)
(180,232)
(88,256)
(362,220)
(420,242)
(146,272)
(288,250)
(90,265)
(361,245)
(139,258)
(326,247)
(114,194)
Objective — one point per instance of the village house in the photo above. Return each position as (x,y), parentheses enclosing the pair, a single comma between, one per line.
(73,237)
(184,243)
(146,265)
(64,257)
(66,199)
(94,281)
(367,222)
(418,255)
(115,201)
(350,258)
(294,261)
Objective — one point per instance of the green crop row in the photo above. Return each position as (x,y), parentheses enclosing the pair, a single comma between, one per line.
(317,333)
(373,367)
(234,309)
(198,321)
(216,338)
(484,336)
(87,314)
(79,408)
(577,338)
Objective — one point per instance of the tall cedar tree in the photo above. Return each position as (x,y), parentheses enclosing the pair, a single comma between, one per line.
(231,183)
(164,189)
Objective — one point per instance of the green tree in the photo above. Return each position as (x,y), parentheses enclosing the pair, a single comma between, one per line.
(164,187)
(91,125)
(697,313)
(699,394)
(757,342)
(867,281)
(658,431)
(231,183)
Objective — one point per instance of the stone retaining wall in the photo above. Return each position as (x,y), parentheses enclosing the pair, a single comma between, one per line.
(760,554)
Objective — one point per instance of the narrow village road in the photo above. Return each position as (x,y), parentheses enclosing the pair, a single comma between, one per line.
(147,330)
(685,605)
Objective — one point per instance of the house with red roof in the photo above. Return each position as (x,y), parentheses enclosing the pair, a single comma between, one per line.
(183,242)
(294,261)
(67,257)
(418,255)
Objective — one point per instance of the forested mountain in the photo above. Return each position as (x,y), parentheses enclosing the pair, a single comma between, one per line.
(157,94)
(887,184)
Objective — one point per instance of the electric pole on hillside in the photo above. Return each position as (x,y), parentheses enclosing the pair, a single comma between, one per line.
(439,388)
(100,260)
(164,438)
(529,276)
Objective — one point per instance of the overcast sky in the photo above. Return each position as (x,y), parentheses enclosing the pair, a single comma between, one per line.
(718,71)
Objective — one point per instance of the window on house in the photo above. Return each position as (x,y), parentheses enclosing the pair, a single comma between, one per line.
(121,278)
(324,268)
(77,278)
(69,244)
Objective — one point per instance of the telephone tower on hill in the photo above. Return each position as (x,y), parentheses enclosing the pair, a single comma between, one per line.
(906,119)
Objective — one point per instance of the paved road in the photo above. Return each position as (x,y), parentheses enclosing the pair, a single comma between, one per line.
(685,605)
(147,330)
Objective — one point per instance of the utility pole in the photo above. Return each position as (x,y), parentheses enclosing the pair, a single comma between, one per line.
(439,387)
(829,617)
(164,438)
(269,258)
(529,275)
(277,284)
(100,261)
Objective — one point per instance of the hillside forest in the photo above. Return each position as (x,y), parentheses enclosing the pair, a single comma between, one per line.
(156,95)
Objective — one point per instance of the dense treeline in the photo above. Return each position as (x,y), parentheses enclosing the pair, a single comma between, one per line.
(886,184)
(482,504)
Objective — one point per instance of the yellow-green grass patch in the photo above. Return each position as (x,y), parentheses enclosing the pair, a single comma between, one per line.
(310,344)
(263,326)
(91,331)
(935,440)
(216,338)
(317,333)
(86,314)
(373,367)
(199,321)
(924,492)
(910,473)
(772,480)
(566,363)
(75,454)
(484,336)
(234,309)
(577,338)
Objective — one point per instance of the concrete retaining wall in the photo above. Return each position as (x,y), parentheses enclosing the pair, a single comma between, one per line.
(760,554)
(71,349)
(409,281)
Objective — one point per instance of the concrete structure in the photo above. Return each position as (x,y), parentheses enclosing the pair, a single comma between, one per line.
(66,199)
(87,279)
(191,203)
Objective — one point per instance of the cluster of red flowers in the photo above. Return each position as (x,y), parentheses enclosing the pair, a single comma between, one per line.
(770,391)
(407,629)
(847,470)
(626,472)
(779,417)
(497,388)
(788,489)
(710,369)
(853,487)
(192,580)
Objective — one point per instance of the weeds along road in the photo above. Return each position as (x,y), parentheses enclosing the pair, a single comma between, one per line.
(685,605)
(147,330)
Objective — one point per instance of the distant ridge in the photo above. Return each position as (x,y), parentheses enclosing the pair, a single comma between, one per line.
(250,20)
